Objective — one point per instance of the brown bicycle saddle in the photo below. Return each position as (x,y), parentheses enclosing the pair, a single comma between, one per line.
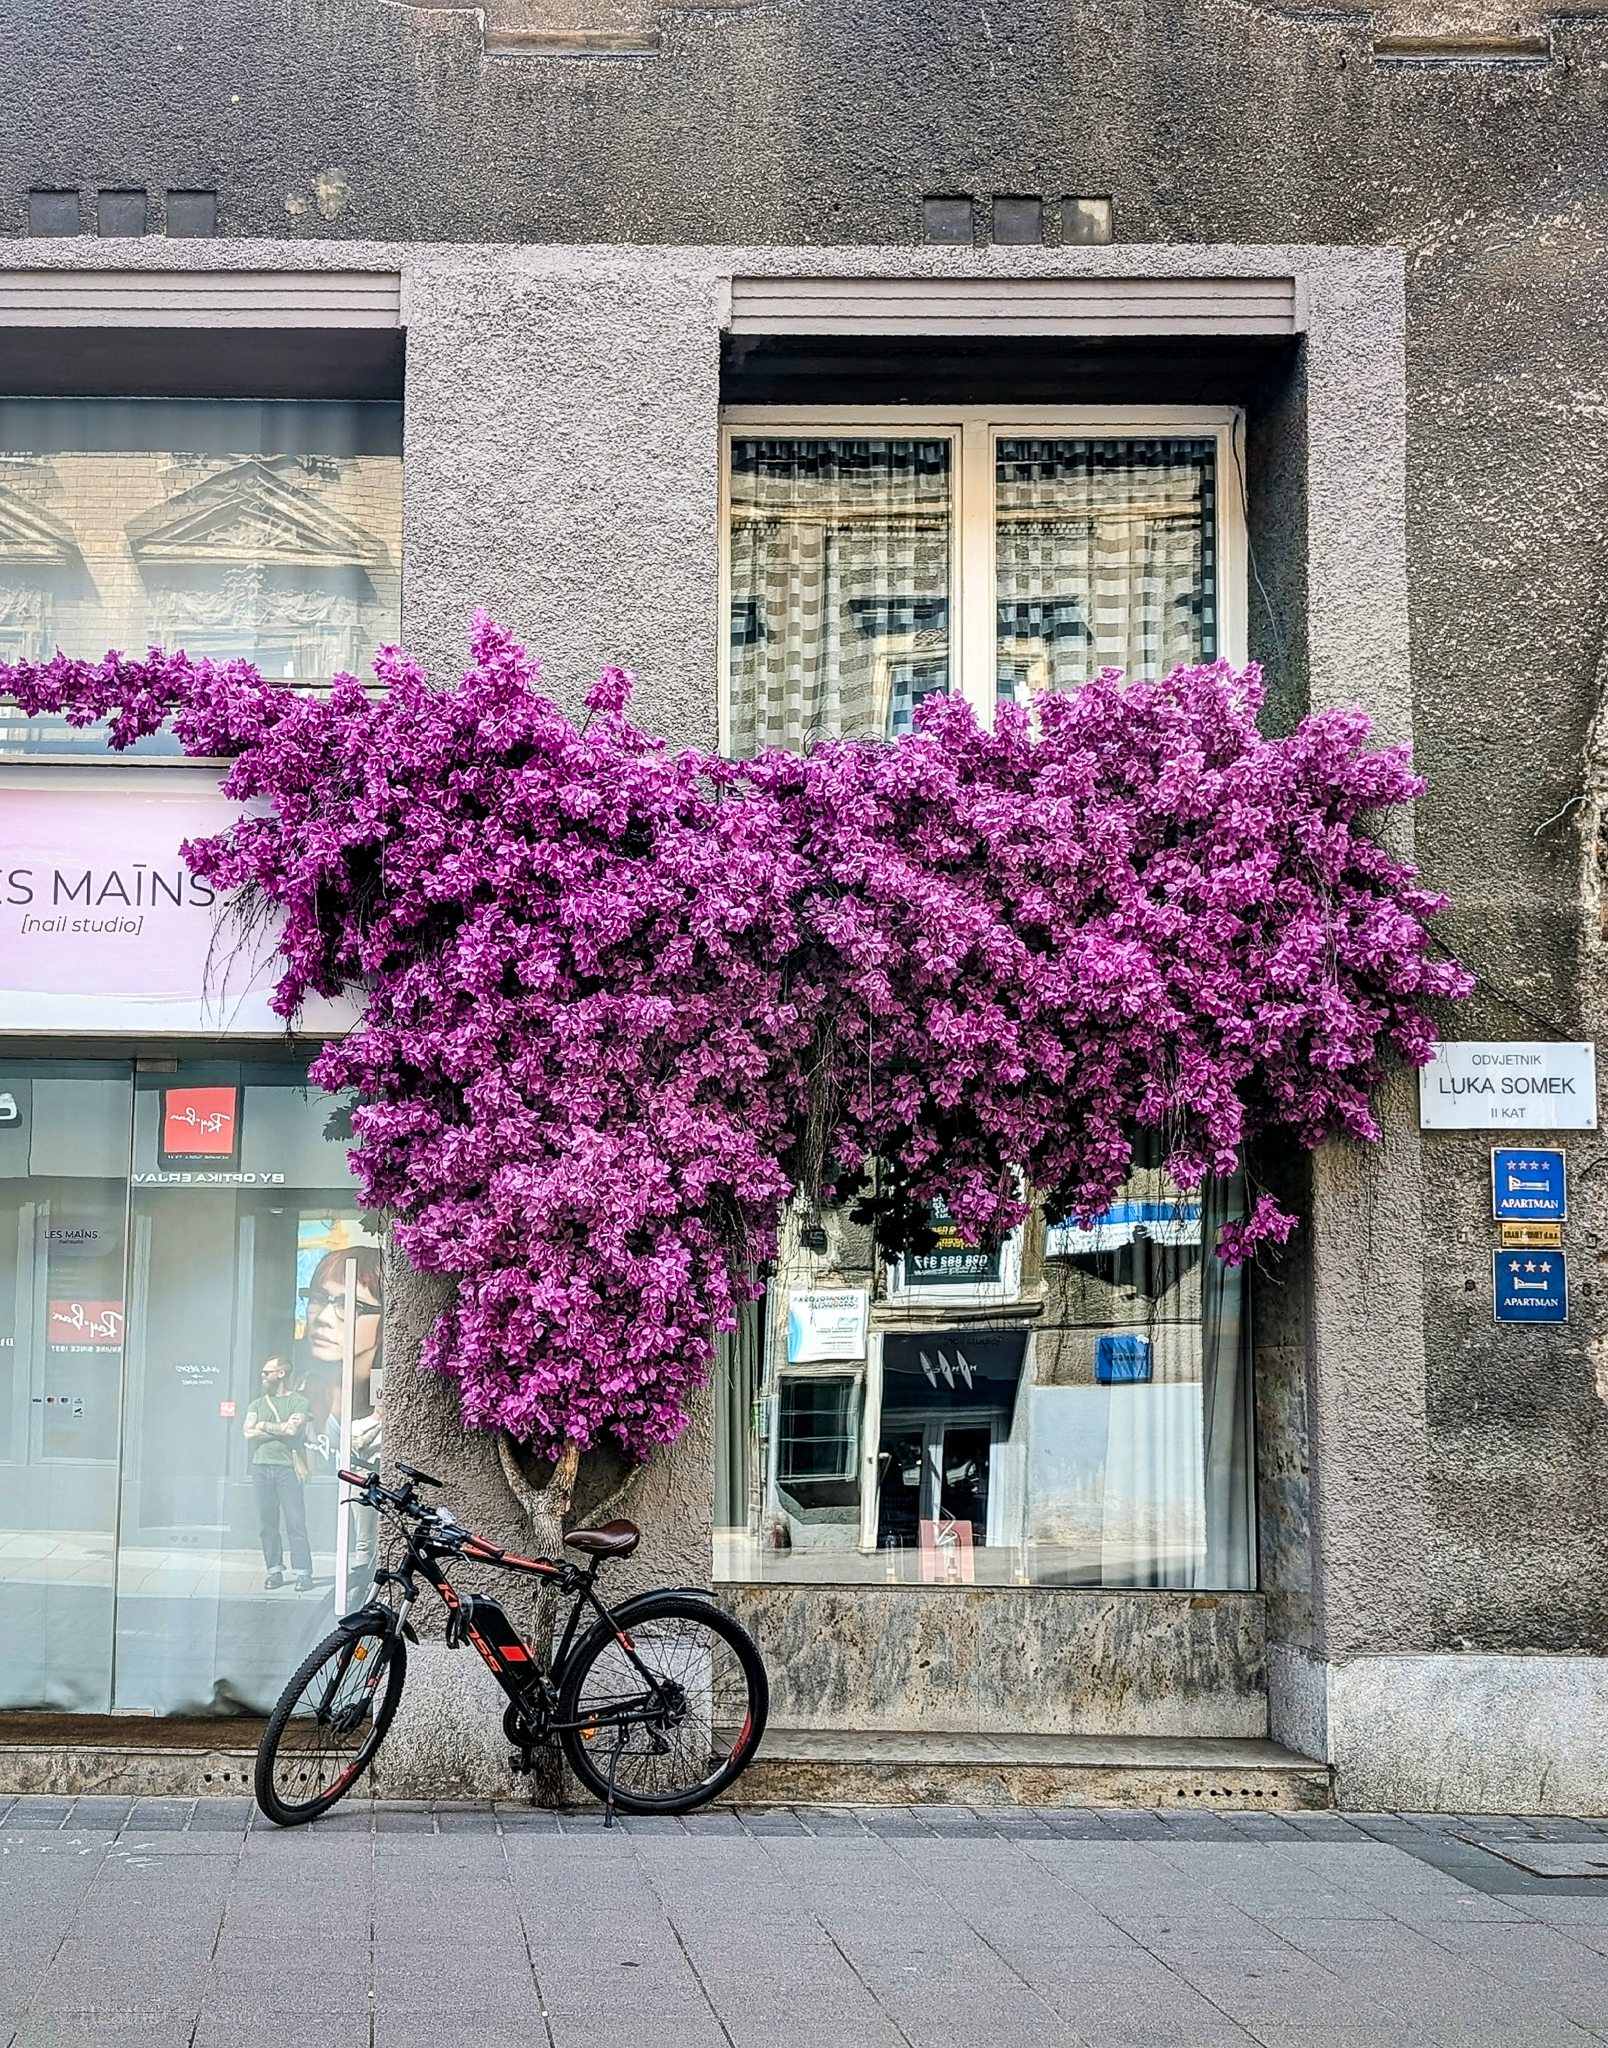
(609,1539)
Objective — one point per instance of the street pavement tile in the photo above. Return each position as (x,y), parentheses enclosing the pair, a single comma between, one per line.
(104,1812)
(347,1819)
(877,1819)
(1073,1823)
(232,1815)
(527,1820)
(38,1812)
(765,2027)
(400,1820)
(830,1820)
(62,2030)
(160,1813)
(713,1821)
(295,2030)
(590,2030)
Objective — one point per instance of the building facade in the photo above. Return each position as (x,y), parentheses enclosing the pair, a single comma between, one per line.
(808,362)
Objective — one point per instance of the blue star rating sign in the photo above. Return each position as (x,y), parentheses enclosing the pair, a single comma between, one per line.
(1531,1287)
(1527,1186)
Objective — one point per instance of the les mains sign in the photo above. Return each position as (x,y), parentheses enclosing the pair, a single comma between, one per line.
(1478,1085)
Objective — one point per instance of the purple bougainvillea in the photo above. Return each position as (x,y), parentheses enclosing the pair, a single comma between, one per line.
(621,1003)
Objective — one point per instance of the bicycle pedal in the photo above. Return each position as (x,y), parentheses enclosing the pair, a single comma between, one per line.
(519,1761)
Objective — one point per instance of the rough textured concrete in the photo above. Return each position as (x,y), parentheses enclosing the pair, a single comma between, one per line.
(825,122)
(1051,1660)
(1471,1733)
(172,1924)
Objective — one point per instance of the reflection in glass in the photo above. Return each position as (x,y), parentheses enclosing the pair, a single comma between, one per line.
(270,532)
(1103,1440)
(219,1593)
(840,572)
(174,1332)
(1105,557)
(64,1148)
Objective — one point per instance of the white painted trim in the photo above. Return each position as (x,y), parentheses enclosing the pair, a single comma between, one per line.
(200,298)
(1091,305)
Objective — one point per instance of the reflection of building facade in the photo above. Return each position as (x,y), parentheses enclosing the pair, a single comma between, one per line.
(192,524)
(145,1277)
(1070,1408)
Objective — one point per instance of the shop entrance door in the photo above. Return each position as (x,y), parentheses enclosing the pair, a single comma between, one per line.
(934,1471)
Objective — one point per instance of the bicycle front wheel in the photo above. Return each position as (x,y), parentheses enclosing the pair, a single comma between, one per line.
(680,1740)
(329,1721)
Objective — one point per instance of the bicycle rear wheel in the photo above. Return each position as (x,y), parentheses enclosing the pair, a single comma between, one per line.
(329,1721)
(681,1745)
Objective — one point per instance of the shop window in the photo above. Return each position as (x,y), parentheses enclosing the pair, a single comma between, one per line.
(876,559)
(1077,1417)
(817,1440)
(270,532)
(182,1257)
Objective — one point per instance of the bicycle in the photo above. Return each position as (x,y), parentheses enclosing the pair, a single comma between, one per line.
(671,1690)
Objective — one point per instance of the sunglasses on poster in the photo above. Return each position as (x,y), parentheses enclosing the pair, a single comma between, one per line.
(317,1299)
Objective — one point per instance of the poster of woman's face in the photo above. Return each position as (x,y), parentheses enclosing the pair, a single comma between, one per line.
(323,1316)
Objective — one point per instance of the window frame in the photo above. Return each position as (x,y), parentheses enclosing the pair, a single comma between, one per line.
(973,431)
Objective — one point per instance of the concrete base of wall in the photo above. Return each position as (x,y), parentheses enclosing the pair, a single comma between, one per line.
(794,1767)
(1007,1659)
(1449,1733)
(820,1767)
(446,1741)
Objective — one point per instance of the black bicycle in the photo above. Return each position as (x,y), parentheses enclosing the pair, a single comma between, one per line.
(660,1706)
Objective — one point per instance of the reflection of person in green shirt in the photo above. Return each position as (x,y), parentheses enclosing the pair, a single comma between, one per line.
(276,1422)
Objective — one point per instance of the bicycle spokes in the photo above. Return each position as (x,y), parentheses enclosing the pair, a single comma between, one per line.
(676,1732)
(331,1723)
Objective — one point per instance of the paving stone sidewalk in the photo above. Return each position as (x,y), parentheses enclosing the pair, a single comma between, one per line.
(140,1924)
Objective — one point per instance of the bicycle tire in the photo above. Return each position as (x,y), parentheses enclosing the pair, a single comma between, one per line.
(282,1766)
(728,1701)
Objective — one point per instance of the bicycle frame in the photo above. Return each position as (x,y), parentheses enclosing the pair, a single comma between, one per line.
(484,1623)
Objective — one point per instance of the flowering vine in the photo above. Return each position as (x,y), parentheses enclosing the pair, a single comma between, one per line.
(621,1003)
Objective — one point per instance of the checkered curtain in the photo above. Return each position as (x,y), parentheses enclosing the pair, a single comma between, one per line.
(840,556)
(1105,554)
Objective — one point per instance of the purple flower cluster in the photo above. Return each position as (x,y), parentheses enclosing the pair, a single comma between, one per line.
(622,1003)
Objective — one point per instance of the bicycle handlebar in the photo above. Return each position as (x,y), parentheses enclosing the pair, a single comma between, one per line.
(402,1498)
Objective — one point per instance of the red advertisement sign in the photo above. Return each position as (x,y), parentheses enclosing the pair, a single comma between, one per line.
(200,1123)
(86,1322)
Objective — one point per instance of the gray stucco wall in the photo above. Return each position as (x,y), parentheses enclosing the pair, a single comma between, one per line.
(561,414)
(824,122)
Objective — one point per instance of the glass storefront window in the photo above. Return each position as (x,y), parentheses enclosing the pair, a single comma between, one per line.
(190,1342)
(269,531)
(1072,1410)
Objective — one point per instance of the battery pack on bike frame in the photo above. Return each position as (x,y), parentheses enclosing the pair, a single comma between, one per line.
(480,1620)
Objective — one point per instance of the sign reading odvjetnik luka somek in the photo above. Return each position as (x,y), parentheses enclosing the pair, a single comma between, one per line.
(1483,1084)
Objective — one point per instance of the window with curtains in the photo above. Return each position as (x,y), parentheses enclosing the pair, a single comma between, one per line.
(877,558)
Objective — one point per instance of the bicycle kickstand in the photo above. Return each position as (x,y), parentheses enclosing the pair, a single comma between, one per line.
(614,1764)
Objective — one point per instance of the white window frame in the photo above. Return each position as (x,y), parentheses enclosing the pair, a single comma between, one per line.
(974,431)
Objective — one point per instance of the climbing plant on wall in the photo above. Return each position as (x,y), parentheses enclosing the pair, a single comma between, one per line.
(621,1002)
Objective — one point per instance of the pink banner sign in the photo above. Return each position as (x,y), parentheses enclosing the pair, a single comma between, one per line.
(103,929)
